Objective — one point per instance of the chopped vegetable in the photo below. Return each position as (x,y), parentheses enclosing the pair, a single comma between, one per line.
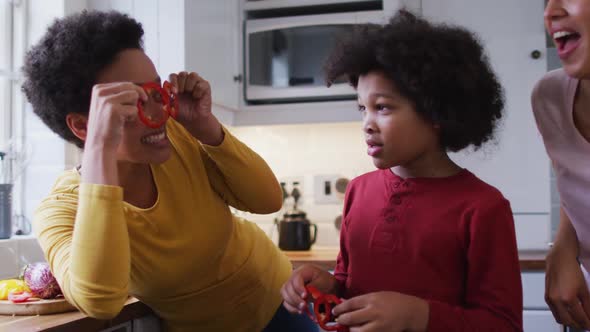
(19,296)
(11,285)
(322,309)
(41,281)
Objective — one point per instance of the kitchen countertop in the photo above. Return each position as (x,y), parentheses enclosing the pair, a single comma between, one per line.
(326,258)
(76,321)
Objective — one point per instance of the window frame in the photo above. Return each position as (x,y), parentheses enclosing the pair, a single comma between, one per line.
(12,121)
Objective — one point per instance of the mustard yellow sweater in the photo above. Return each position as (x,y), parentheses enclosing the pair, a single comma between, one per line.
(195,264)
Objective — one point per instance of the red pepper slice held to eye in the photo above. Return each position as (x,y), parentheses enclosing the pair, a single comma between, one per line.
(148,88)
(172,106)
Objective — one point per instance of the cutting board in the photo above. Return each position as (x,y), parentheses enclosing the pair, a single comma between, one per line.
(41,307)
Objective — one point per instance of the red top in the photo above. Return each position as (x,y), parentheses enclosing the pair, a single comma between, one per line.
(450,241)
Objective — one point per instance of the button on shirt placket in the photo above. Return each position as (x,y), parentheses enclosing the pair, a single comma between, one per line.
(397,204)
(390,238)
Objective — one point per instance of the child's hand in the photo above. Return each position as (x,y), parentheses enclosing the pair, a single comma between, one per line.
(294,293)
(194,103)
(383,311)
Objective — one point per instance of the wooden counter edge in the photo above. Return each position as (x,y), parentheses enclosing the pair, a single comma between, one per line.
(76,321)
(325,257)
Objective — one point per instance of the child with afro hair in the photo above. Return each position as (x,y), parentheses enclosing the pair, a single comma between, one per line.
(425,244)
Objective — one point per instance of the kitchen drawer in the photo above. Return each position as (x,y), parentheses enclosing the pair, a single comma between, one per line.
(125,327)
(539,321)
(149,323)
(533,287)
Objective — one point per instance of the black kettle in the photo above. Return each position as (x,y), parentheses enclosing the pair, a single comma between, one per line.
(295,231)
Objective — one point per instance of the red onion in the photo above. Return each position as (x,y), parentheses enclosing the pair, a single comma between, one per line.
(40,281)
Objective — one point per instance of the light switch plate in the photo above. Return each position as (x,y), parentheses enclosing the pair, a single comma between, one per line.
(324,190)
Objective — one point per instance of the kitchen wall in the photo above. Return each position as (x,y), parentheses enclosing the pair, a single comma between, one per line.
(301,152)
(49,152)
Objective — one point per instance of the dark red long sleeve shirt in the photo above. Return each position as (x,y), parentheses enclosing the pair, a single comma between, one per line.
(449,241)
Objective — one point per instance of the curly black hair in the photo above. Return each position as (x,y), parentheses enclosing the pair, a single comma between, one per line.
(61,69)
(442,69)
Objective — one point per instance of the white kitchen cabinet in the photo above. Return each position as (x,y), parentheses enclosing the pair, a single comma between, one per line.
(163,25)
(536,315)
(511,31)
(533,290)
(213,39)
(539,321)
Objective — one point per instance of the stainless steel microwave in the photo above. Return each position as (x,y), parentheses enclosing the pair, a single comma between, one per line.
(284,56)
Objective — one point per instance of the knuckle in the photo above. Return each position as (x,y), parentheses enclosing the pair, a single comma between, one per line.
(108,99)
(567,299)
(101,92)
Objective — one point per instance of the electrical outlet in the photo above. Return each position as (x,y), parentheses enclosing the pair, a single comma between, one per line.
(324,189)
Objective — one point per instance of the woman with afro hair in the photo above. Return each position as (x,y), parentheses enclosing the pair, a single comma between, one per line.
(425,245)
(147,212)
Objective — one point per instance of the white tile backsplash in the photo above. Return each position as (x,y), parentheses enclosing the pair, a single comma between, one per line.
(9,258)
(16,252)
(28,250)
(304,151)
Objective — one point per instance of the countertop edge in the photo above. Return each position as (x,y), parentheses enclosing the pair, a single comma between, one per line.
(325,257)
(75,321)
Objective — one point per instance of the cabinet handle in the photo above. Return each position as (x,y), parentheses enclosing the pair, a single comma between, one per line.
(536,54)
(237,78)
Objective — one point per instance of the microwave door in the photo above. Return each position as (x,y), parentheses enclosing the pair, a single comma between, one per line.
(284,57)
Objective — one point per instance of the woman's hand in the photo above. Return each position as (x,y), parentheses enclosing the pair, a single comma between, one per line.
(294,293)
(111,105)
(194,100)
(383,311)
(566,291)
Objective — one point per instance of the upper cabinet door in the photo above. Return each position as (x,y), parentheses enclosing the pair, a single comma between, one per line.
(514,38)
(163,25)
(212,43)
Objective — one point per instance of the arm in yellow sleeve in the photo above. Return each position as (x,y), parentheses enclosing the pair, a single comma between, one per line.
(86,243)
(241,176)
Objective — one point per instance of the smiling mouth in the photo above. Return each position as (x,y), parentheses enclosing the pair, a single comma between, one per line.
(154,138)
(566,40)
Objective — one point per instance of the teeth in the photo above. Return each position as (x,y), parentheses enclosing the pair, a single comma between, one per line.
(561,34)
(154,138)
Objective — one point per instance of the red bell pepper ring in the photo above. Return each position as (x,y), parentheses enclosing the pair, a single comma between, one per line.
(19,296)
(149,88)
(172,106)
(322,309)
